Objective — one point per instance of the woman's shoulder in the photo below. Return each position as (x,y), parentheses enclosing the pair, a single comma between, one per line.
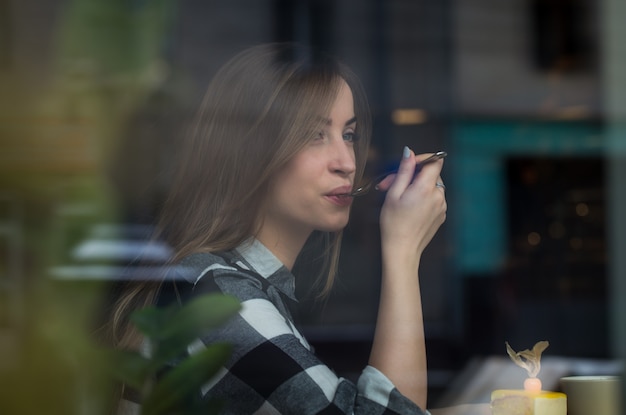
(196,265)
(247,273)
(218,272)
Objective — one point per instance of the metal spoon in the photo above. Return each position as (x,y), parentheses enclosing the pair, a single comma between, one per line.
(360,191)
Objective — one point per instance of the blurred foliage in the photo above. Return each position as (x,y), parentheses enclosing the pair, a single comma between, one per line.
(169,331)
(116,37)
(111,56)
(57,135)
(54,366)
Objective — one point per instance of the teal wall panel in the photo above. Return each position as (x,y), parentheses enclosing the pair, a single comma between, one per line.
(477,168)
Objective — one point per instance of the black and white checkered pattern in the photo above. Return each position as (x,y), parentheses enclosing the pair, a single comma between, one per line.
(273,370)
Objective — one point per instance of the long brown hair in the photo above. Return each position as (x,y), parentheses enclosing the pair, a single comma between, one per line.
(259,110)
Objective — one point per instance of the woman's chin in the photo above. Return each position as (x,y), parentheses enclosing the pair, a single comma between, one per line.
(336,226)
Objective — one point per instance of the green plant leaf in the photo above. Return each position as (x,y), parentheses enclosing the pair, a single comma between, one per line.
(203,313)
(150,320)
(210,407)
(199,316)
(130,368)
(182,383)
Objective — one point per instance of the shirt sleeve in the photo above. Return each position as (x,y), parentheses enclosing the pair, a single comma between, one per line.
(376,387)
(273,370)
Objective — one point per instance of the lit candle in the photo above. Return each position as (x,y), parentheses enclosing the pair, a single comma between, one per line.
(531,400)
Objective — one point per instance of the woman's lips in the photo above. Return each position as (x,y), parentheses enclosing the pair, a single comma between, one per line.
(340,199)
(341,196)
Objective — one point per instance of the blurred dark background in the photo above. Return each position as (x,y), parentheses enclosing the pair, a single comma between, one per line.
(526,96)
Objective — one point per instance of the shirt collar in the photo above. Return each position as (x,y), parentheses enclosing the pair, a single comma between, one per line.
(261,260)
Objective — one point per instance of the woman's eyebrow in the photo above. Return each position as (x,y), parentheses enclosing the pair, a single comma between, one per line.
(329,121)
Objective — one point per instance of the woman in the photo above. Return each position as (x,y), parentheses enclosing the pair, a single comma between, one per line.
(278,144)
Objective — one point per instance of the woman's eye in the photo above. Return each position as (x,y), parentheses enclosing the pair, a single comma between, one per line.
(350,136)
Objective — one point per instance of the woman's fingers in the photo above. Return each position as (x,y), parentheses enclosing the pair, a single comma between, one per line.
(414,206)
(408,173)
(385,183)
(404,177)
(429,173)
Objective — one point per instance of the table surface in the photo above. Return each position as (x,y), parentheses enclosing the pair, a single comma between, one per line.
(470,409)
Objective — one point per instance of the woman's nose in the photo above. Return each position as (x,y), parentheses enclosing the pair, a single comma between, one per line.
(343,157)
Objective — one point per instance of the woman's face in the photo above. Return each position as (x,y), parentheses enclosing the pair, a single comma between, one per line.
(309,193)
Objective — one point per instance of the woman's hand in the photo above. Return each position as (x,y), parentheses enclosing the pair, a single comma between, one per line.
(413,211)
(414,206)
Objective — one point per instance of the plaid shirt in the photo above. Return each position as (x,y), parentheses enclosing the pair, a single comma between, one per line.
(273,369)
